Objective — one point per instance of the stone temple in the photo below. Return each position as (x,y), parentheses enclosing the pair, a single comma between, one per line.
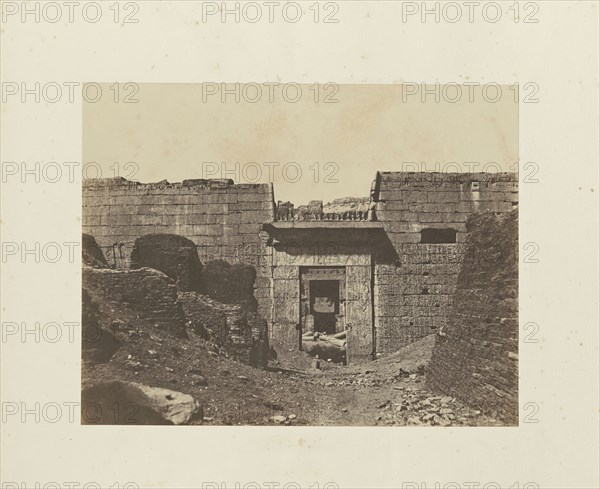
(383,267)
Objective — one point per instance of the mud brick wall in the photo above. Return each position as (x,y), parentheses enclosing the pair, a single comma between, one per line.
(414,285)
(149,292)
(476,355)
(224,220)
(173,255)
(230,284)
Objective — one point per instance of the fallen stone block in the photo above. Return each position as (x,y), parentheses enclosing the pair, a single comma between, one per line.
(130,403)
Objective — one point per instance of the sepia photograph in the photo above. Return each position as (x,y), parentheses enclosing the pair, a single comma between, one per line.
(325,244)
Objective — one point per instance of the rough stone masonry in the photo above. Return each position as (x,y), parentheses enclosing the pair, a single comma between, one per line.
(383,268)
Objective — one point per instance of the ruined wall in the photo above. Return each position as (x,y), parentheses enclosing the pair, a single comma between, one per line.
(224,220)
(476,355)
(149,297)
(407,285)
(239,334)
(415,282)
(148,292)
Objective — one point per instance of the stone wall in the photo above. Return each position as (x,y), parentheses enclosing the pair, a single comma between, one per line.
(224,220)
(476,354)
(414,281)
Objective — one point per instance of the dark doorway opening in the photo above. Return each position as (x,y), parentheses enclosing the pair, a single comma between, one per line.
(438,236)
(325,304)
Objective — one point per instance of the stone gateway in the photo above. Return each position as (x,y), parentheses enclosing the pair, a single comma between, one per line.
(373,273)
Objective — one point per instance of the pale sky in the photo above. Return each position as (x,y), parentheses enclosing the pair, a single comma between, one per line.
(172,133)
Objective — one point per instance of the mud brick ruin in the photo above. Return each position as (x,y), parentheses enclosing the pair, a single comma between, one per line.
(384,268)
(476,354)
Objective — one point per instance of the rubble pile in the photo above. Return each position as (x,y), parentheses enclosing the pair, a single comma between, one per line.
(416,407)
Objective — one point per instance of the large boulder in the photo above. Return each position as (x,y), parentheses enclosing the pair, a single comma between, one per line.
(127,403)
(173,255)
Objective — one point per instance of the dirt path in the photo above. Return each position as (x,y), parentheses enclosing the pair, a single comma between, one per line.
(390,391)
